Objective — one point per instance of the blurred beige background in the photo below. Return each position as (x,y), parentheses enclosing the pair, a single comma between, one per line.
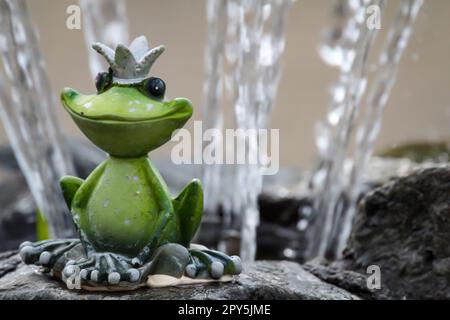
(419,107)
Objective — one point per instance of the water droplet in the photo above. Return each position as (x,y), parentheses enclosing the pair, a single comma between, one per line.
(289,253)
(302,225)
(322,138)
(306,211)
(335,115)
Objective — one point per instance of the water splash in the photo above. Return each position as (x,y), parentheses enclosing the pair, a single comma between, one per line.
(216,17)
(378,96)
(336,183)
(254,43)
(103,21)
(27,111)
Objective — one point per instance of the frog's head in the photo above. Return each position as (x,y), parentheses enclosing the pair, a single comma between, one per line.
(129,116)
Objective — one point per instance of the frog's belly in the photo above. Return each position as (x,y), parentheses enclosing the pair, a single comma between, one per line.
(121,230)
(121,214)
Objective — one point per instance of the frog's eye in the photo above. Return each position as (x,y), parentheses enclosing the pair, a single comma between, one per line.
(155,87)
(103,81)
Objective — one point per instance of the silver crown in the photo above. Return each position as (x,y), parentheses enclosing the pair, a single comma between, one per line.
(130,64)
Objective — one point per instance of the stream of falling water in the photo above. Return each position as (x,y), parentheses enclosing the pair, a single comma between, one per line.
(27,111)
(378,96)
(254,44)
(104,21)
(213,117)
(336,183)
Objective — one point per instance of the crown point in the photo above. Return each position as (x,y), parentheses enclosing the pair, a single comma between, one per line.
(139,46)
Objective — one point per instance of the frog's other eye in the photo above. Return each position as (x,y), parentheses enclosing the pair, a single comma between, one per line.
(103,81)
(155,87)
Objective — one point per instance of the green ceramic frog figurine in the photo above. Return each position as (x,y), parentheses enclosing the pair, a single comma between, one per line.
(128,223)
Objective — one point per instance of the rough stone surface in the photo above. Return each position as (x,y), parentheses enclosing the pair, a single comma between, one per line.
(352,281)
(260,280)
(404,228)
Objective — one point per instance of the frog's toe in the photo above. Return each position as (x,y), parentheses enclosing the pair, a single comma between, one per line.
(29,254)
(114,278)
(191,270)
(217,269)
(137,262)
(133,275)
(45,258)
(237,264)
(95,276)
(86,273)
(45,253)
(70,270)
(25,244)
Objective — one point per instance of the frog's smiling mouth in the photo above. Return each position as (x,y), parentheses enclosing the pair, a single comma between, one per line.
(124,105)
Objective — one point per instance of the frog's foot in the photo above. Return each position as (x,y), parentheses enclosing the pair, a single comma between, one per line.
(47,252)
(103,267)
(206,263)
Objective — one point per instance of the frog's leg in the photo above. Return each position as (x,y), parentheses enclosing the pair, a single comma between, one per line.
(204,263)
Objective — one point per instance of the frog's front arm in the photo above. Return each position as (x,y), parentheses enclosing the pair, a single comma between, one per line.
(189,208)
(70,186)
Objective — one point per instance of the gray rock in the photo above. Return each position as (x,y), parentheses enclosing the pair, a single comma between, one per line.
(352,281)
(404,228)
(260,280)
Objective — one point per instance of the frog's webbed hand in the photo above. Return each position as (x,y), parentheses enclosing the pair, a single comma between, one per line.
(102,267)
(205,263)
